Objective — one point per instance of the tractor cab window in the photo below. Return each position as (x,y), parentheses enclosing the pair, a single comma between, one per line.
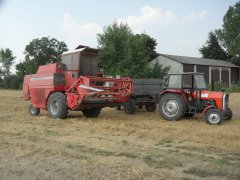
(175,81)
(200,81)
(187,81)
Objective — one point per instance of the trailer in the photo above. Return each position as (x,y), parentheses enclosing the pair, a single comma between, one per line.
(145,93)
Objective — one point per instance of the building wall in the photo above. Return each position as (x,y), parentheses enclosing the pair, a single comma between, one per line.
(175,67)
(234,75)
(188,68)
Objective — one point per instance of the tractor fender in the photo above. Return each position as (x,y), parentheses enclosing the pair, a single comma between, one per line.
(207,108)
(175,91)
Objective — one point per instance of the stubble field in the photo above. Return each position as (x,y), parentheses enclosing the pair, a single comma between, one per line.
(115,145)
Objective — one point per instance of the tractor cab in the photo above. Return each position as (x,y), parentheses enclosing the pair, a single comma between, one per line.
(191,81)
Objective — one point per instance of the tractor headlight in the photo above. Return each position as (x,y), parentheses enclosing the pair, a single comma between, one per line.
(225,101)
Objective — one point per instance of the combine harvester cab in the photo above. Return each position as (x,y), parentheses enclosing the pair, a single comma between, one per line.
(74,85)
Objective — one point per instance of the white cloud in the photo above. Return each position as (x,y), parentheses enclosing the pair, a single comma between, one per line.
(193,15)
(79,33)
(149,19)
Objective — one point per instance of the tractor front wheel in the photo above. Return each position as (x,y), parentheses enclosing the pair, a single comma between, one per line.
(93,112)
(57,106)
(172,107)
(34,111)
(214,116)
(150,106)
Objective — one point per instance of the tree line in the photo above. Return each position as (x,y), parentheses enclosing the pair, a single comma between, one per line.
(121,51)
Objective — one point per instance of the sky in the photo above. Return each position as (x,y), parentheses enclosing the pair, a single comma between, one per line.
(180,27)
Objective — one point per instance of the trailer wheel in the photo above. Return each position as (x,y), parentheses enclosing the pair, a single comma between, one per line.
(93,112)
(129,106)
(33,111)
(228,114)
(150,106)
(172,107)
(57,106)
(118,107)
(214,116)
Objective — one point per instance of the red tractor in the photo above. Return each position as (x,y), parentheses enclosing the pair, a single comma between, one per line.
(185,95)
(74,85)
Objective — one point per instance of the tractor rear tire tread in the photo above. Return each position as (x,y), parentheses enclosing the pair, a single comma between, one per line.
(181,104)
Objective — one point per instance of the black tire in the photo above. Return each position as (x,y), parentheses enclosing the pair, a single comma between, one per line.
(33,111)
(57,106)
(228,114)
(188,115)
(150,106)
(93,112)
(172,107)
(129,106)
(214,116)
(118,107)
(139,105)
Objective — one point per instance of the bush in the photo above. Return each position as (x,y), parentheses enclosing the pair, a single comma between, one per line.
(11,82)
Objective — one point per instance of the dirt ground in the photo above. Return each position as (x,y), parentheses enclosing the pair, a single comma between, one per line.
(115,145)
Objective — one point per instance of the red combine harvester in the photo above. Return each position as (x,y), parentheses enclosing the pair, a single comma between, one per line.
(74,85)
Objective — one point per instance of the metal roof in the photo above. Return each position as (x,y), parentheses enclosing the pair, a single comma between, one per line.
(199,61)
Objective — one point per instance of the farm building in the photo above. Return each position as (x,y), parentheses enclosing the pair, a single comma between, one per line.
(214,70)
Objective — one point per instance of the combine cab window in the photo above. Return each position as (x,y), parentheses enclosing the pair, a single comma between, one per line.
(175,81)
(75,61)
(66,59)
(200,82)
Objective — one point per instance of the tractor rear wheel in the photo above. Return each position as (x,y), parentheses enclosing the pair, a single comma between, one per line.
(129,106)
(228,114)
(150,106)
(93,112)
(214,116)
(172,107)
(33,111)
(57,106)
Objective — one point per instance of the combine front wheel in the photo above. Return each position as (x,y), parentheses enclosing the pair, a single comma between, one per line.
(214,116)
(57,106)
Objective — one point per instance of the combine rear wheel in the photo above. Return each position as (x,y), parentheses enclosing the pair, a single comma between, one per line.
(172,107)
(150,106)
(93,112)
(57,106)
(34,111)
(214,116)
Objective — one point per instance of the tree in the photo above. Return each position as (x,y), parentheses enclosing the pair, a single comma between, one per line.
(124,53)
(40,52)
(213,49)
(225,41)
(6,59)
(229,35)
